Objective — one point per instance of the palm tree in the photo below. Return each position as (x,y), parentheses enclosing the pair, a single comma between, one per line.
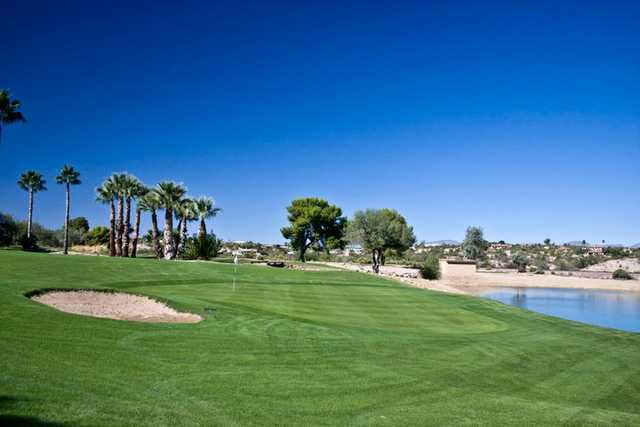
(204,207)
(185,212)
(120,182)
(130,187)
(170,195)
(150,202)
(140,191)
(9,113)
(68,176)
(107,193)
(32,182)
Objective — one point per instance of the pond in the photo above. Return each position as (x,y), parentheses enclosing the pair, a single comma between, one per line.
(610,309)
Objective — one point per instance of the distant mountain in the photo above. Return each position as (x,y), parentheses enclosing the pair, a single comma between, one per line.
(636,246)
(605,245)
(442,243)
(577,243)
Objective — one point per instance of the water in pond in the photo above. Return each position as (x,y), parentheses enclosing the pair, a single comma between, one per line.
(611,309)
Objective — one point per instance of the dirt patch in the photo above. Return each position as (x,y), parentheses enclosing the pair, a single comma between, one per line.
(114,305)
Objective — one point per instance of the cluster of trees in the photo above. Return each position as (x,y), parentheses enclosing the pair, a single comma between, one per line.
(316,224)
(121,190)
(33,182)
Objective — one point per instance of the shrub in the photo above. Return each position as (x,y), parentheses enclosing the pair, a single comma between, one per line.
(521,261)
(28,243)
(8,230)
(206,248)
(621,274)
(97,236)
(430,270)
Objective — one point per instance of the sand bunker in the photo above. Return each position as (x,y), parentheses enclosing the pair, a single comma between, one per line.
(112,305)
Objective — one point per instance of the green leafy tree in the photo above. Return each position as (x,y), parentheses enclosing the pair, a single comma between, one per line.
(314,223)
(547,241)
(31,182)
(107,193)
(170,194)
(9,230)
(474,245)
(378,230)
(9,113)
(98,236)
(68,176)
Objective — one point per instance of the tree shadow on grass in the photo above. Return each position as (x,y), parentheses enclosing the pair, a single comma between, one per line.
(7,403)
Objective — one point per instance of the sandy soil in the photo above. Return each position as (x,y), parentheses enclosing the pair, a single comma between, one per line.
(481,281)
(119,306)
(632,265)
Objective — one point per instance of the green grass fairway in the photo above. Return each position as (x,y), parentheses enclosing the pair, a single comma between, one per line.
(297,348)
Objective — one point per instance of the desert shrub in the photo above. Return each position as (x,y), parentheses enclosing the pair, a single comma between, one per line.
(521,261)
(430,270)
(196,248)
(541,263)
(28,243)
(9,230)
(621,274)
(97,236)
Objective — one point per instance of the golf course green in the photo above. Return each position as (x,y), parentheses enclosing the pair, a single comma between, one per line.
(290,347)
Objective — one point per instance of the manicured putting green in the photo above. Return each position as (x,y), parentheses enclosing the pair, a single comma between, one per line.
(298,348)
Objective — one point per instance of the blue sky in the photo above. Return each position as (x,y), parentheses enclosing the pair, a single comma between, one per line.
(521,117)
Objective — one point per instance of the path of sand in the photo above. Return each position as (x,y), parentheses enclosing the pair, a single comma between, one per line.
(111,305)
(481,281)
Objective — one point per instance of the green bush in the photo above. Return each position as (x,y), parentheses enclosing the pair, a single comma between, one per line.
(196,248)
(28,243)
(621,274)
(97,236)
(430,270)
(521,261)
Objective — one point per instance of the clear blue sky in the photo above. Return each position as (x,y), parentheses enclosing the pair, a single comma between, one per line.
(523,118)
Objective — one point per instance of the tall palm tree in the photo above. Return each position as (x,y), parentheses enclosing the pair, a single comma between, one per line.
(68,176)
(120,182)
(32,182)
(107,193)
(9,113)
(140,191)
(170,195)
(150,202)
(185,213)
(205,208)
(130,187)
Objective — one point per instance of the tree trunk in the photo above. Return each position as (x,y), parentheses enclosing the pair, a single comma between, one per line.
(376,254)
(30,214)
(112,230)
(136,235)
(169,244)
(154,233)
(127,228)
(66,221)
(120,228)
(178,238)
(203,230)
(183,237)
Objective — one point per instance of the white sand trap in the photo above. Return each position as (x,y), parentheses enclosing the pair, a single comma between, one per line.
(112,305)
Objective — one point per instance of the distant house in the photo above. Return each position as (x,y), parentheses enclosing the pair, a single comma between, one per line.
(499,246)
(594,250)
